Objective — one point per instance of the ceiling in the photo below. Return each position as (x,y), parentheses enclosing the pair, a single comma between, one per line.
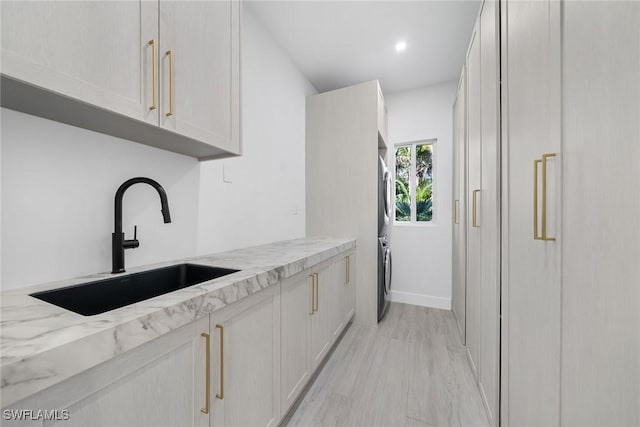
(340,43)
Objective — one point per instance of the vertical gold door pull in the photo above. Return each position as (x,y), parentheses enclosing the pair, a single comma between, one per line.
(205,410)
(455,211)
(154,75)
(535,199)
(221,394)
(315,309)
(170,55)
(474,217)
(544,196)
(313,294)
(348,268)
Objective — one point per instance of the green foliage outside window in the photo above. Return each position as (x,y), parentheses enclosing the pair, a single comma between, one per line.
(422,184)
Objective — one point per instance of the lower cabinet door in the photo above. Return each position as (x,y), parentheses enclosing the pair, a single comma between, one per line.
(338,297)
(321,333)
(161,383)
(245,362)
(349,304)
(343,294)
(296,313)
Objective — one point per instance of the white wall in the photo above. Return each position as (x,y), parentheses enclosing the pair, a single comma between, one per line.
(59,181)
(58,187)
(422,253)
(265,200)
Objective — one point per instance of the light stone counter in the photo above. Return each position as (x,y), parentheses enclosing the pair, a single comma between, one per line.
(42,344)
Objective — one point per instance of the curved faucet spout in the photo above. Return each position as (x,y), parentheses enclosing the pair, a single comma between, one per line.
(140,180)
(119,244)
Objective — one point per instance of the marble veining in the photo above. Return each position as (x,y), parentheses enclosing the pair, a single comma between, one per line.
(42,344)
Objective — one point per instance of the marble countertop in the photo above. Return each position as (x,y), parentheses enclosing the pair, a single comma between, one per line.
(42,344)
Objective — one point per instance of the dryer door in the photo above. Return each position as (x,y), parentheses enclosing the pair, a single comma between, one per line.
(387,273)
(387,196)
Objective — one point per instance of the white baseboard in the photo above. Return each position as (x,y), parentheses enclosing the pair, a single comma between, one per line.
(421,300)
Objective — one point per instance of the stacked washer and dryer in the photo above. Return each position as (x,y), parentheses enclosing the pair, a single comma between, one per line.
(384,252)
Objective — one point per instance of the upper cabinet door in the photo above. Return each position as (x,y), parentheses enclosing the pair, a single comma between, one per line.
(199,69)
(382,120)
(96,52)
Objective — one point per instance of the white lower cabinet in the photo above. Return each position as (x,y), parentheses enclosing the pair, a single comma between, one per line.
(245,362)
(296,311)
(317,305)
(262,351)
(343,293)
(161,383)
(321,333)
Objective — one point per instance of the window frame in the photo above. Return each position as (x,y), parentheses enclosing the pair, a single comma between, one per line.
(412,186)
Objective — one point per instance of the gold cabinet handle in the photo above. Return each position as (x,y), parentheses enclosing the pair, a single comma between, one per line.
(474,216)
(535,199)
(154,74)
(205,410)
(316,293)
(348,269)
(313,294)
(544,196)
(221,394)
(455,211)
(170,55)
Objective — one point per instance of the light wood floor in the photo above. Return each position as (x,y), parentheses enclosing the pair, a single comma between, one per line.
(410,370)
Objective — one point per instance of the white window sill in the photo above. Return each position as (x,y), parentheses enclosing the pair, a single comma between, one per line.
(414,224)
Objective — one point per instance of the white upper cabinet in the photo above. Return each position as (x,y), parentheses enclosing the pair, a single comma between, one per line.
(95,52)
(383,137)
(200,96)
(165,74)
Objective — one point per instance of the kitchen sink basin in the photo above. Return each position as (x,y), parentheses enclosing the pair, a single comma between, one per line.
(108,294)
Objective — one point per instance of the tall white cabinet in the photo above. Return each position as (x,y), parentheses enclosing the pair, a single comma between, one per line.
(476,222)
(600,353)
(345,132)
(459,232)
(570,282)
(531,241)
(474,183)
(488,210)
(547,299)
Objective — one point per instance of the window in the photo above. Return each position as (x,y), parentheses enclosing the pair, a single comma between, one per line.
(414,182)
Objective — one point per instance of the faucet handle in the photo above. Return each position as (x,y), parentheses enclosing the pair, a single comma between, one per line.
(134,243)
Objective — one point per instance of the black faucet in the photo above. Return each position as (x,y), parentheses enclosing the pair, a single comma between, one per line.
(118,242)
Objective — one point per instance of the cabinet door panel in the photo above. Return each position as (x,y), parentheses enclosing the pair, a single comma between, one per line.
(532,275)
(601,247)
(296,338)
(350,292)
(250,358)
(490,212)
(338,296)
(203,37)
(459,222)
(321,320)
(73,48)
(474,200)
(166,389)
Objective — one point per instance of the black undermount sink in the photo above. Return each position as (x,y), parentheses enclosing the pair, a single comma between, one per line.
(108,294)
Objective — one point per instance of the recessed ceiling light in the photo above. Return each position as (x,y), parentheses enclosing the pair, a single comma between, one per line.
(400,46)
